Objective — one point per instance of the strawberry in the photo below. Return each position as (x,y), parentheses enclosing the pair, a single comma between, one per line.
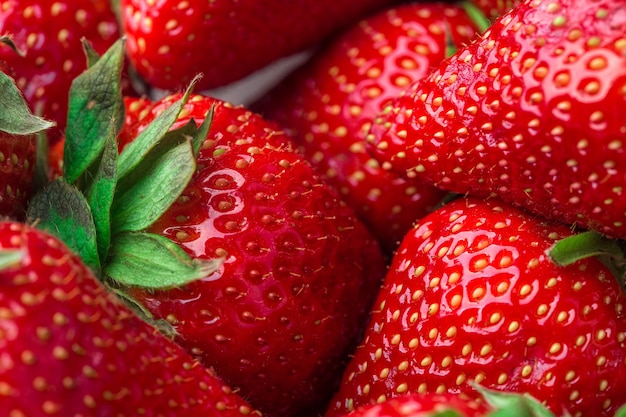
(17,150)
(276,320)
(472,296)
(71,348)
(235,39)
(47,34)
(532,112)
(330,102)
(226,240)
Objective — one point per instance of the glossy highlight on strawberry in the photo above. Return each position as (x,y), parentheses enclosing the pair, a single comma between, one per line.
(532,113)
(472,296)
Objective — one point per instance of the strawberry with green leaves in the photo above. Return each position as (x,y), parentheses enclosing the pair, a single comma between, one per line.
(532,113)
(329,104)
(47,53)
(169,41)
(472,296)
(223,237)
(299,270)
(69,347)
(17,150)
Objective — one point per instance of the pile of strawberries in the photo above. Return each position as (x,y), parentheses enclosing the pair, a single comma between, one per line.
(427,217)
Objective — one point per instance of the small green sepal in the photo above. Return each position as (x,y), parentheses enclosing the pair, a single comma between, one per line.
(142,145)
(203,131)
(101,192)
(10,257)
(583,245)
(510,404)
(156,184)
(15,115)
(63,211)
(152,261)
(95,99)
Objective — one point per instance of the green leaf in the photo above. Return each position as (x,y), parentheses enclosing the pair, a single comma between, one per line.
(136,151)
(157,183)
(42,164)
(101,192)
(203,131)
(10,257)
(481,21)
(61,210)
(621,412)
(581,246)
(152,261)
(510,404)
(15,115)
(91,54)
(95,100)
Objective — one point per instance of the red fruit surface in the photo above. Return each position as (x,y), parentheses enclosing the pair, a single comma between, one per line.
(169,41)
(49,32)
(329,104)
(426,405)
(68,347)
(17,165)
(532,112)
(299,275)
(473,296)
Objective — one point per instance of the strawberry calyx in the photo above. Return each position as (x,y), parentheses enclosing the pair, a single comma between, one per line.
(105,201)
(511,404)
(15,115)
(589,244)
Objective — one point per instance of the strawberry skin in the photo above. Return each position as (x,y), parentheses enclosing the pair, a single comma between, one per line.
(299,273)
(471,295)
(17,163)
(169,42)
(532,112)
(328,105)
(68,347)
(49,32)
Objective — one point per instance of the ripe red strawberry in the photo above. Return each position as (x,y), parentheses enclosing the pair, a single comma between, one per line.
(68,347)
(329,104)
(533,113)
(472,295)
(17,149)
(49,34)
(299,274)
(169,42)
